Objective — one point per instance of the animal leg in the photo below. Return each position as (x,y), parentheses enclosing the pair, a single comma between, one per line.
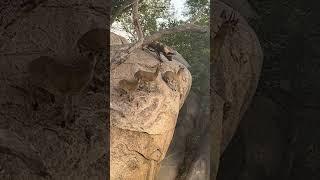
(52,98)
(74,107)
(159,56)
(130,97)
(66,108)
(33,100)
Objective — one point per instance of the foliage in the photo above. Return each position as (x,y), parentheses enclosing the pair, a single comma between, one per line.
(194,47)
(150,13)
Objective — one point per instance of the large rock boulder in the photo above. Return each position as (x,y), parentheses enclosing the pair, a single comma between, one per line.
(240,64)
(236,75)
(142,128)
(186,125)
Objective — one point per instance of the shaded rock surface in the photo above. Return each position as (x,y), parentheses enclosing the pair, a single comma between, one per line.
(142,129)
(289,34)
(188,122)
(76,152)
(236,75)
(240,65)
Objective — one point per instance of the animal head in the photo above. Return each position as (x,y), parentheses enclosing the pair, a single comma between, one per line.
(181,69)
(93,40)
(92,56)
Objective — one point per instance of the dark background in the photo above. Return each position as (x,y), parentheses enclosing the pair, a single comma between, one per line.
(289,148)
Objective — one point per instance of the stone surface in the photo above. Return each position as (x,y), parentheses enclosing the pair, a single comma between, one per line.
(186,124)
(237,71)
(76,152)
(142,129)
(240,65)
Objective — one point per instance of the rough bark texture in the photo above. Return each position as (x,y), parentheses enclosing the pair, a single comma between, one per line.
(52,28)
(142,129)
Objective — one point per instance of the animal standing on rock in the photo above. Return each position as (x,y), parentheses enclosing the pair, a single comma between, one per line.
(96,40)
(147,77)
(173,79)
(62,79)
(129,86)
(161,48)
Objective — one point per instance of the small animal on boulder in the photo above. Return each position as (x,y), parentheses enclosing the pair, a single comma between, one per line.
(173,79)
(61,79)
(147,77)
(128,86)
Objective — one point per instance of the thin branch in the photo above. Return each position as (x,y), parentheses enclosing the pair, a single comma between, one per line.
(135,18)
(121,58)
(118,9)
(123,55)
(189,27)
(198,15)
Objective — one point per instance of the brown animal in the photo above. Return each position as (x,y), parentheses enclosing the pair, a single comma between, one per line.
(161,48)
(58,78)
(93,40)
(128,86)
(146,76)
(173,79)
(96,40)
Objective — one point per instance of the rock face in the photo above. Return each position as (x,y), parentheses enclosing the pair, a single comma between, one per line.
(243,7)
(240,65)
(76,152)
(236,74)
(264,140)
(260,144)
(142,127)
(187,121)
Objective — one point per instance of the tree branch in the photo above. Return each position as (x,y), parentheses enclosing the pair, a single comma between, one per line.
(119,7)
(135,19)
(121,57)
(189,27)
